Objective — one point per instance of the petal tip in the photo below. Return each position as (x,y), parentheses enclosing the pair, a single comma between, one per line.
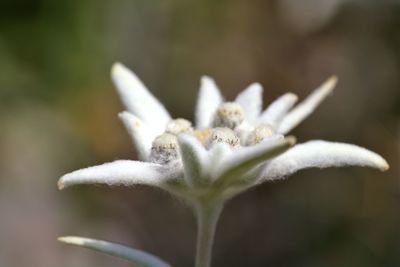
(129,118)
(291,140)
(206,79)
(61,184)
(293,96)
(185,138)
(71,240)
(256,86)
(122,114)
(384,166)
(118,69)
(125,114)
(331,82)
(62,238)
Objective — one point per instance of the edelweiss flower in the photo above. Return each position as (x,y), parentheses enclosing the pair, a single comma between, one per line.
(234,145)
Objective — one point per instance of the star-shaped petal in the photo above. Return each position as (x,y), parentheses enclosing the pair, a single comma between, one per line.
(138,99)
(121,172)
(321,154)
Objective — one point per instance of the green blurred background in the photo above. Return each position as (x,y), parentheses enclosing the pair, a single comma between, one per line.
(58,112)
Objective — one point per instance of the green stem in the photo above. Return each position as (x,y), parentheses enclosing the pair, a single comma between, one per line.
(207,213)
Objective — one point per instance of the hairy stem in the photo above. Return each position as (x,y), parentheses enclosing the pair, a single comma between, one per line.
(207,213)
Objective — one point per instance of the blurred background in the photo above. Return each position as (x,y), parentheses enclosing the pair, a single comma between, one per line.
(58,112)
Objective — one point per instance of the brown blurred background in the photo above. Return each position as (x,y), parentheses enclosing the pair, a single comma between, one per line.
(58,112)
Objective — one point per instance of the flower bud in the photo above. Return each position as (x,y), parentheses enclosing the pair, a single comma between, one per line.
(179,126)
(223,135)
(228,115)
(261,132)
(164,149)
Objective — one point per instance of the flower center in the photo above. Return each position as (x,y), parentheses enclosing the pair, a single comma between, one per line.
(229,127)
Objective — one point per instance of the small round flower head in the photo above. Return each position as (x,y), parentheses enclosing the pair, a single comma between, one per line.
(164,149)
(223,135)
(229,115)
(261,132)
(179,126)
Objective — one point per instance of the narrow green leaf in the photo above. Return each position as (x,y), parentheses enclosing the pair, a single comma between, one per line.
(137,257)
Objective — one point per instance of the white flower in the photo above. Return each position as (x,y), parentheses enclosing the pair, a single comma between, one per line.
(233,146)
(193,162)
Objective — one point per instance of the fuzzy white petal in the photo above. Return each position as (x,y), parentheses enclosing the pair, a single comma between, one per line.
(243,131)
(137,257)
(208,101)
(195,159)
(120,172)
(245,158)
(217,154)
(251,101)
(321,154)
(306,107)
(277,110)
(138,99)
(140,134)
